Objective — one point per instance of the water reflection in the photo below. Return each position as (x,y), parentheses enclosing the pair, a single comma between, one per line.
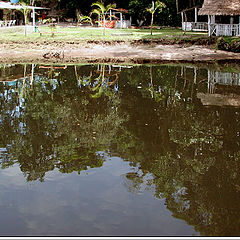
(73,119)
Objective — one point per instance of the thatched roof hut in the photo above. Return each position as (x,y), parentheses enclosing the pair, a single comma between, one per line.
(220,7)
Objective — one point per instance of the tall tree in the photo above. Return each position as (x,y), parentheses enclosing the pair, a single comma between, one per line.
(156,6)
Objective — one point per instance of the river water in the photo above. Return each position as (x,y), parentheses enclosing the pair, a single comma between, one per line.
(110,150)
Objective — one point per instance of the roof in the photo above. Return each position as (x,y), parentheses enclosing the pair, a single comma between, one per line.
(122,10)
(220,7)
(8,5)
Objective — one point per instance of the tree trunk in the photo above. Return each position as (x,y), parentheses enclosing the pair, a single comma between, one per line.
(153,6)
(152,24)
(104,27)
(25,24)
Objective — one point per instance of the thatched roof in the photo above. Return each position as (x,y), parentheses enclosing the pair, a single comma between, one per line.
(220,7)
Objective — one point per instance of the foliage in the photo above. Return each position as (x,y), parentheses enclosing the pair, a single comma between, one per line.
(84,19)
(156,6)
(101,10)
(25,10)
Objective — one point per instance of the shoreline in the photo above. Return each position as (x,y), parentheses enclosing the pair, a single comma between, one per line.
(100,52)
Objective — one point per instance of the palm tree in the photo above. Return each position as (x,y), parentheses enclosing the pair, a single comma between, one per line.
(25,10)
(102,11)
(155,6)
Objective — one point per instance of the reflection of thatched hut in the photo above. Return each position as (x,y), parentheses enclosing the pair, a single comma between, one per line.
(219,13)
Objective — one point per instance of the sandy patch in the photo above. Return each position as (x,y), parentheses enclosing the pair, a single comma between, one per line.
(130,53)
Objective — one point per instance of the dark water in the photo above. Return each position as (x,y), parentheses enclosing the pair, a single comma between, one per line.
(106,150)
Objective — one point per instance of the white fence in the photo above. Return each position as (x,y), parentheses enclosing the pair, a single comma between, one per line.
(215,29)
(123,24)
(195,26)
(226,29)
(221,78)
(7,23)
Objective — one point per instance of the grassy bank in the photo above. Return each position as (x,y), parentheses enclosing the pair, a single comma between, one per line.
(80,34)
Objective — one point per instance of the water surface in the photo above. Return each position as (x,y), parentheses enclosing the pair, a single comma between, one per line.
(109,150)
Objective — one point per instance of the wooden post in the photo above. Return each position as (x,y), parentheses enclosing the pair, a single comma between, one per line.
(32,75)
(196,15)
(211,24)
(34,19)
(209,30)
(121,20)
(195,75)
(183,28)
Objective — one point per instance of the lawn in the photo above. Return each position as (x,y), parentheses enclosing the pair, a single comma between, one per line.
(81,34)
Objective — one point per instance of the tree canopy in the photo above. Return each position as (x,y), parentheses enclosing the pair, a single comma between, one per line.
(137,8)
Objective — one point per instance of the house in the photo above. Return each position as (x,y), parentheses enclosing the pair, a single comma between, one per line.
(223,17)
(191,21)
(218,17)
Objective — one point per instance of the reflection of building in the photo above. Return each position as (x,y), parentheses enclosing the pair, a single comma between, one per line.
(222,78)
(223,88)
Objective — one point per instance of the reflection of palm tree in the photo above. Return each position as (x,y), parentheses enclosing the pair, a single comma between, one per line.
(62,129)
(99,84)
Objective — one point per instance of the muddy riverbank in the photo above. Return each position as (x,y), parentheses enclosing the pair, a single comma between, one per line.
(117,52)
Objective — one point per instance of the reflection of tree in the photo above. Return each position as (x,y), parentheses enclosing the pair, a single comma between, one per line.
(192,152)
(187,154)
(100,83)
(60,125)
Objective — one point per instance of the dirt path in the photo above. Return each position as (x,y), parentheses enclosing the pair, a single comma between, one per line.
(128,53)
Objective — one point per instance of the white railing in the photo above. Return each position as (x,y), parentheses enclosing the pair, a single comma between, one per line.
(7,23)
(195,26)
(214,29)
(187,26)
(123,24)
(227,29)
(200,26)
(222,78)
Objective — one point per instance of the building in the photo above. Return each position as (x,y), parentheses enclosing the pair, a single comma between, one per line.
(223,17)
(218,17)
(10,13)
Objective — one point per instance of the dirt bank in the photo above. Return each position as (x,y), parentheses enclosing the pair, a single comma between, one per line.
(138,52)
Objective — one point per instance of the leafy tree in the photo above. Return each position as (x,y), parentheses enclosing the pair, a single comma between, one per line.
(102,11)
(25,10)
(156,6)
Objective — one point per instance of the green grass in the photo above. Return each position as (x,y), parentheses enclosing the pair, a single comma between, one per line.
(80,34)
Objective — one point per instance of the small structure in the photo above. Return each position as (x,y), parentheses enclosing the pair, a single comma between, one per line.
(13,7)
(219,12)
(124,21)
(190,24)
(190,19)
(117,18)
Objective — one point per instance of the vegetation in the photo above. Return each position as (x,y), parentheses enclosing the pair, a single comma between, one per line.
(156,6)
(101,11)
(25,10)
(62,34)
(137,8)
